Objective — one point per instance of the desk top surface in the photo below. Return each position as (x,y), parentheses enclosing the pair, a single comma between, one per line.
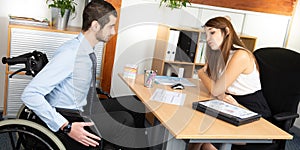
(186,123)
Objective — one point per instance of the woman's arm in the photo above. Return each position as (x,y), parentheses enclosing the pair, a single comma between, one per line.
(239,63)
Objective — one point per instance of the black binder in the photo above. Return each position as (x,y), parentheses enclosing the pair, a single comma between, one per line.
(226,112)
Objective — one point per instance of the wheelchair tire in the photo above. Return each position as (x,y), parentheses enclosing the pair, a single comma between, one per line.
(27,114)
(22,129)
(20,114)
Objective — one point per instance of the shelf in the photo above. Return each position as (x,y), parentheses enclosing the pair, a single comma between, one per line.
(199,64)
(179,62)
(68,30)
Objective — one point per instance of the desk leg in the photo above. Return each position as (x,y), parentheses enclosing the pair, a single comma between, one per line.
(156,135)
(225,146)
(161,139)
(173,143)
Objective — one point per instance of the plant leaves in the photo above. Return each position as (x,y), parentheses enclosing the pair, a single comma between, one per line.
(175,3)
(63,4)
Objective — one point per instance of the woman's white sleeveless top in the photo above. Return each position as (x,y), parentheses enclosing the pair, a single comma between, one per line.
(245,83)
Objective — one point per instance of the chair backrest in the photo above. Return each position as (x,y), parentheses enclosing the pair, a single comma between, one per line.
(280,78)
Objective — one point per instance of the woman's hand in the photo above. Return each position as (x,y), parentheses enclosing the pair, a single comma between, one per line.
(82,136)
(228,98)
(202,70)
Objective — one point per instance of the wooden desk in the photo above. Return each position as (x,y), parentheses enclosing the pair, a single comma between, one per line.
(184,124)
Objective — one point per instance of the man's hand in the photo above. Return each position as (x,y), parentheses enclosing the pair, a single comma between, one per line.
(79,134)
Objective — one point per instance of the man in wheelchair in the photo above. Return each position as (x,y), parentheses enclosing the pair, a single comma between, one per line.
(64,97)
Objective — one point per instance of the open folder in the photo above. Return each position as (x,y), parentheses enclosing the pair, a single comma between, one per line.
(226,112)
(167,80)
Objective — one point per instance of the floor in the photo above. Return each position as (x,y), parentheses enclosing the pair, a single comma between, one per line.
(295,143)
(290,145)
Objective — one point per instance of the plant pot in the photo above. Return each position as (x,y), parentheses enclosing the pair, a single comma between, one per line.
(57,20)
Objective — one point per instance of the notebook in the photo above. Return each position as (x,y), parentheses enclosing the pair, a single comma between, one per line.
(226,112)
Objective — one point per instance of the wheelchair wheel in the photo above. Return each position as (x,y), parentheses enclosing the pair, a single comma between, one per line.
(24,113)
(27,114)
(24,134)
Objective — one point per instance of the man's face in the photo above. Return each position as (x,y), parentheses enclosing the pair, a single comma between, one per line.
(108,30)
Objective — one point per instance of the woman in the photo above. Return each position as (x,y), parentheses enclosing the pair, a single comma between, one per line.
(231,72)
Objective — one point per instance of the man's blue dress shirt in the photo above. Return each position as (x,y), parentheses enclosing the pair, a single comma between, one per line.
(63,83)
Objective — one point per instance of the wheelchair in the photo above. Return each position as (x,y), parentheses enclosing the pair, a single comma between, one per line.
(24,132)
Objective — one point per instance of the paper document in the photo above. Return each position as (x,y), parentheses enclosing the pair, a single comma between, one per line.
(167,80)
(228,108)
(169,97)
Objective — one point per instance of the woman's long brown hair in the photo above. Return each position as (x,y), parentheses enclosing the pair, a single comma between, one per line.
(216,59)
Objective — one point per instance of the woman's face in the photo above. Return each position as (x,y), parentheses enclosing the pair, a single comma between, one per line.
(214,37)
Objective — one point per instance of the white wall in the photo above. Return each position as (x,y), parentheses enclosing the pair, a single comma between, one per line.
(18,8)
(261,25)
(137,34)
(293,40)
(26,8)
(293,43)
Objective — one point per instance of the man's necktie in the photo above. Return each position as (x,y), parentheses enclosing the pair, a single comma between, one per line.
(94,61)
(92,96)
(92,91)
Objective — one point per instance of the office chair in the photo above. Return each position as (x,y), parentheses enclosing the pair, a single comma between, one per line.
(280,79)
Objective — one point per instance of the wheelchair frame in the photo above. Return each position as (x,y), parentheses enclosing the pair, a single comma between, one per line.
(21,131)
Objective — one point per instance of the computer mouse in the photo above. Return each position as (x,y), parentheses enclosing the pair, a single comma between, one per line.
(177,86)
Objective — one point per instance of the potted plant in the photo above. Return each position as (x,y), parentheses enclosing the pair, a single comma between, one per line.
(175,3)
(60,12)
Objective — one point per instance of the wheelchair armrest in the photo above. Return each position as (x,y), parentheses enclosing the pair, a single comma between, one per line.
(285,116)
(100,91)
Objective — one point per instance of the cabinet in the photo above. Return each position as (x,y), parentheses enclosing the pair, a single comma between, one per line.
(23,39)
(183,48)
(249,41)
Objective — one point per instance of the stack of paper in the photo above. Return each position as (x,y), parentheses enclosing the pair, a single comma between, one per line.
(130,71)
(28,21)
(168,97)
